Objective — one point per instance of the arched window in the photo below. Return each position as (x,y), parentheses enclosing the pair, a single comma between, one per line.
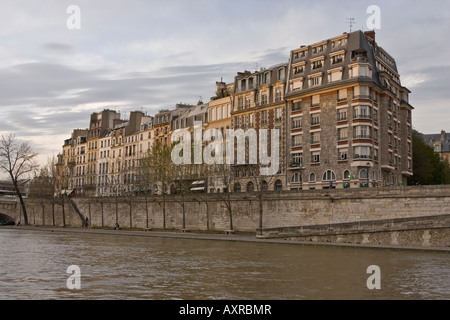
(264,185)
(237,187)
(312,177)
(347,175)
(296,178)
(278,185)
(363,174)
(329,176)
(250,187)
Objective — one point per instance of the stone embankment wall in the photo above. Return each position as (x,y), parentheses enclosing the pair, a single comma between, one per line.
(280,210)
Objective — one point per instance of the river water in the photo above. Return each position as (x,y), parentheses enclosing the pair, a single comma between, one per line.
(33,265)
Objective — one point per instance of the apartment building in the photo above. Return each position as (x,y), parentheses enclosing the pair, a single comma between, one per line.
(342,114)
(349,117)
(219,120)
(259,104)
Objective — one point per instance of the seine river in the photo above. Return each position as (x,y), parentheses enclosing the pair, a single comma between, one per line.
(33,265)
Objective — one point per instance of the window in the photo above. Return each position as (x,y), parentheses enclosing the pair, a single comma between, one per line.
(361,112)
(363,174)
(236,122)
(337,59)
(342,134)
(338,43)
(240,103)
(361,132)
(346,175)
(237,187)
(296,123)
(278,185)
(312,177)
(250,120)
(297,160)
(278,114)
(298,69)
(315,157)
(243,85)
(281,74)
(342,154)
(264,117)
(315,101)
(315,137)
(247,102)
(342,95)
(342,114)
(277,95)
(316,64)
(297,140)
(315,81)
(296,178)
(361,152)
(263,99)
(266,78)
(329,175)
(243,122)
(318,49)
(296,106)
(315,119)
(250,187)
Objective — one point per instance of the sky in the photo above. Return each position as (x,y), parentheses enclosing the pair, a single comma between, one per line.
(57,65)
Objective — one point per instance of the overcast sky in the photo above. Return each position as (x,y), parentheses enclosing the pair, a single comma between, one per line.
(151,54)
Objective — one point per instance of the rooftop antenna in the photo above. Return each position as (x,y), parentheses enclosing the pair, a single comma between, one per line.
(351,22)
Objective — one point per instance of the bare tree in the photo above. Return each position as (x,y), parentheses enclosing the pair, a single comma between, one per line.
(43,187)
(260,184)
(156,174)
(18,161)
(225,177)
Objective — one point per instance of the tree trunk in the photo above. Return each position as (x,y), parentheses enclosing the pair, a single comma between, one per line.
(43,214)
(101,205)
(164,210)
(131,216)
(63,212)
(22,203)
(183,211)
(230,211)
(207,215)
(146,210)
(260,212)
(53,213)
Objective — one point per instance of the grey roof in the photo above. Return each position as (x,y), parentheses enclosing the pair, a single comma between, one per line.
(443,138)
(357,42)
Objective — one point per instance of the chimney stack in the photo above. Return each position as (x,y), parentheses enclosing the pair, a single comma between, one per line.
(370,34)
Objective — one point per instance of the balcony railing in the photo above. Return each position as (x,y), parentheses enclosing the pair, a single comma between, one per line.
(362,116)
(362,156)
(362,136)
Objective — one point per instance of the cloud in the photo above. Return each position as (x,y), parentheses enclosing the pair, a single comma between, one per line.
(57,47)
(153,54)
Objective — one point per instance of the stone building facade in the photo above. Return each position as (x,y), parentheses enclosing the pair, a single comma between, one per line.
(343,118)
(350,120)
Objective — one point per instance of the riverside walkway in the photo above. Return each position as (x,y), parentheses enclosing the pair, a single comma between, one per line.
(212,236)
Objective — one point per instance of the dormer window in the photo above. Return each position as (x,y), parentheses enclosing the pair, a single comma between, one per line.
(318,49)
(298,69)
(337,59)
(316,64)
